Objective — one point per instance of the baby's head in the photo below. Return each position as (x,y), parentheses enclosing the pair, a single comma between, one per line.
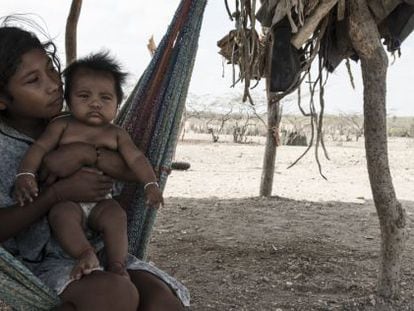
(94,83)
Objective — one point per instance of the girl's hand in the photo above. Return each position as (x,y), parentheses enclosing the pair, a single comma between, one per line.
(154,196)
(111,163)
(25,189)
(66,160)
(86,185)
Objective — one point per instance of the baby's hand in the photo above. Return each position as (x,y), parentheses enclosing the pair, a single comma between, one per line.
(25,188)
(153,195)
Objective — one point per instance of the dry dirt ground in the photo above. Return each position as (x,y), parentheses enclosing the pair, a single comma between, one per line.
(314,246)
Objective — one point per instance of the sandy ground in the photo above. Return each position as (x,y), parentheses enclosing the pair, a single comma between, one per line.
(313,246)
(228,170)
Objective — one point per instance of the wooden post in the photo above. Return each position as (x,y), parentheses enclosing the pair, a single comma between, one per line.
(71,26)
(268,170)
(366,41)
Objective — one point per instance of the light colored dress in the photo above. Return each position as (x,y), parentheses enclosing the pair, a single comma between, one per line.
(35,247)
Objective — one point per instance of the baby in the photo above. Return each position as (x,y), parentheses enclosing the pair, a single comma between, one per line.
(93,94)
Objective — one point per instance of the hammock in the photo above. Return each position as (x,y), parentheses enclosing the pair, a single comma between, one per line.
(151,115)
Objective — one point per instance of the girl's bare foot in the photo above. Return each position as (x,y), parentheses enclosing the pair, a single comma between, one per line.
(118,268)
(87,262)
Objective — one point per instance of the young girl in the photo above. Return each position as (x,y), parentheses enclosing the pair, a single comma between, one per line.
(30,95)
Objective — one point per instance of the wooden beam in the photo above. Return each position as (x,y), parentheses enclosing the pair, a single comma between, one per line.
(312,22)
(341,10)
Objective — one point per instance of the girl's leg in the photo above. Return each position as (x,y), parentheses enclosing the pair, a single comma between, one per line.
(154,293)
(101,291)
(66,219)
(109,218)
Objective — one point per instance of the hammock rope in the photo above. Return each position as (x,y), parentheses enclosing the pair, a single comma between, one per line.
(151,115)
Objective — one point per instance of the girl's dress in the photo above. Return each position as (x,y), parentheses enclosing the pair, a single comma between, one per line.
(36,247)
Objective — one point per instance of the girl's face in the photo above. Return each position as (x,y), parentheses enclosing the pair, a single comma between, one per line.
(35,89)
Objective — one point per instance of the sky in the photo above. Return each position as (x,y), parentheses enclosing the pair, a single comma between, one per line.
(124,27)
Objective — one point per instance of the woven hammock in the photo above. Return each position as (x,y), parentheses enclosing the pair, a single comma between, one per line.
(151,115)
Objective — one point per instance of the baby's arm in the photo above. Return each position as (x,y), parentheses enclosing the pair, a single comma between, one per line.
(26,186)
(141,167)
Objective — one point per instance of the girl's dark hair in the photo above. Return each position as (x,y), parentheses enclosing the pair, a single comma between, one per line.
(99,62)
(14,42)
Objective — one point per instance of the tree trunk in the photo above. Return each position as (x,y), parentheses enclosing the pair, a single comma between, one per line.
(71,26)
(268,170)
(366,41)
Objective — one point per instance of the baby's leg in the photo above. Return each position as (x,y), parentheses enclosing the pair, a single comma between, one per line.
(109,218)
(66,220)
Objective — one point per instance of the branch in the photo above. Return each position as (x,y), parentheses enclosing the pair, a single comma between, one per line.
(312,23)
(71,25)
(228,9)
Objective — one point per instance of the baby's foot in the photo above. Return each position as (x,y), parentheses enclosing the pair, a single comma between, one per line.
(118,268)
(87,262)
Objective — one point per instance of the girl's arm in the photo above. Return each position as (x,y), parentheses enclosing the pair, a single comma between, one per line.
(66,160)
(69,158)
(112,163)
(85,185)
(14,219)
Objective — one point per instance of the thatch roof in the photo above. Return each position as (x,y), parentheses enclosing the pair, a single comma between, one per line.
(318,28)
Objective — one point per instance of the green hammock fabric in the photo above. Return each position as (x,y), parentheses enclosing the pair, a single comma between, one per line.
(20,289)
(151,115)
